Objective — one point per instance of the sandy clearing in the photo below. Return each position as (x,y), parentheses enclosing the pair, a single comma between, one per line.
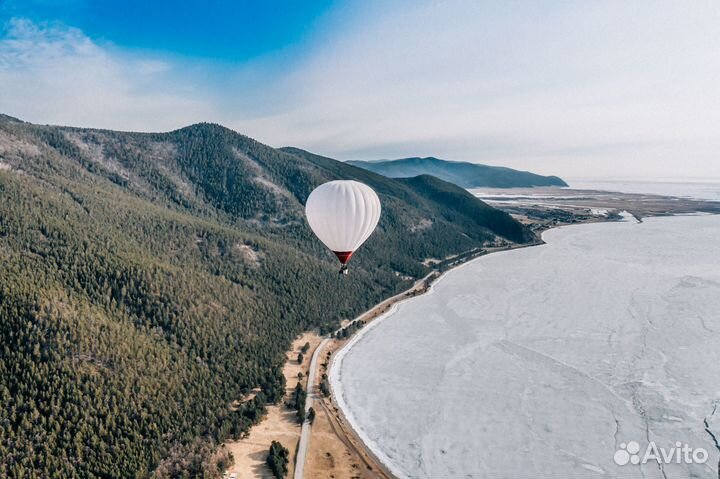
(335,451)
(280,424)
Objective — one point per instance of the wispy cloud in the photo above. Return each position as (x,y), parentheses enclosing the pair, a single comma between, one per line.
(51,73)
(586,89)
(609,88)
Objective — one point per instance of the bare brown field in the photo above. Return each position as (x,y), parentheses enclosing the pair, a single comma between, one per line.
(280,424)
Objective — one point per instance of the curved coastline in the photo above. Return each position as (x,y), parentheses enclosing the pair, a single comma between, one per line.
(393,459)
(334,379)
(335,366)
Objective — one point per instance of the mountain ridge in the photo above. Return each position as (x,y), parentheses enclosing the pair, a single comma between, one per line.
(461,173)
(151,280)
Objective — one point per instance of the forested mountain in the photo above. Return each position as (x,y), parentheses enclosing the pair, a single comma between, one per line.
(149,281)
(467,175)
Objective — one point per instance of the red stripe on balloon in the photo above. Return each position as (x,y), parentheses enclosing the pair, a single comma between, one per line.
(343,256)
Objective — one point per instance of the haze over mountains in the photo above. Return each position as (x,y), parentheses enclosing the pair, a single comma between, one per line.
(466,175)
(149,280)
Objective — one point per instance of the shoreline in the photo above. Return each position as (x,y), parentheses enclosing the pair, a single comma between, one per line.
(345,427)
(333,368)
(333,371)
(335,407)
(345,431)
(337,444)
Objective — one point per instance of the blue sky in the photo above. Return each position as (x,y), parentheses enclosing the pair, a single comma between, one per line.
(593,89)
(229,31)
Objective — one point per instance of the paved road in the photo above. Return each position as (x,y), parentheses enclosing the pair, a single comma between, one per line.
(312,393)
(304,442)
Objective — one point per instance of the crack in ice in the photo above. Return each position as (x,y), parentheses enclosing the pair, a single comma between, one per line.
(712,435)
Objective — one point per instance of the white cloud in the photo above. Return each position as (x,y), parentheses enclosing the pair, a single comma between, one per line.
(50,73)
(589,89)
(606,88)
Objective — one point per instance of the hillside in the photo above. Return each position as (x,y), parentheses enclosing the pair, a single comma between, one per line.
(151,280)
(466,175)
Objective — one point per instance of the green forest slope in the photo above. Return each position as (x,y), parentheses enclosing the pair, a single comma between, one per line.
(150,280)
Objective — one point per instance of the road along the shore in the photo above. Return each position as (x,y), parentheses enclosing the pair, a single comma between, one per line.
(387,308)
(378,311)
(312,388)
(312,384)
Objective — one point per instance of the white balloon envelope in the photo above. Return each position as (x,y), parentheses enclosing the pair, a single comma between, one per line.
(343,214)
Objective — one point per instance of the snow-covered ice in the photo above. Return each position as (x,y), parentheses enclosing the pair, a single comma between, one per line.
(540,362)
(699,190)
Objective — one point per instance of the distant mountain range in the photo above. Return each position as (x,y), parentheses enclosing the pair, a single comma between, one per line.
(466,175)
(149,280)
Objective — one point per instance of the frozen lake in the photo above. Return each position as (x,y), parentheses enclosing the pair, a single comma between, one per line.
(699,190)
(543,362)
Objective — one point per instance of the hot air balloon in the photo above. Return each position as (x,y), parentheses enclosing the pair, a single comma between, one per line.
(343,214)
